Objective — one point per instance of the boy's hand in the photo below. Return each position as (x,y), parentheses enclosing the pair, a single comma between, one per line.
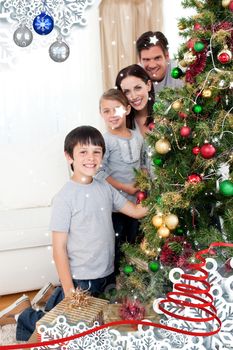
(130,189)
(69,292)
(136,211)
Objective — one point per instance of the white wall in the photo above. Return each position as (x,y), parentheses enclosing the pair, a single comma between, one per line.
(172,12)
(41,101)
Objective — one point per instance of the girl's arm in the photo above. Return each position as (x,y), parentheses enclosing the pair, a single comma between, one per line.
(61,261)
(136,211)
(128,188)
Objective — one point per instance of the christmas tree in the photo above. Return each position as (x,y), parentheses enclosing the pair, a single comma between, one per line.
(190,200)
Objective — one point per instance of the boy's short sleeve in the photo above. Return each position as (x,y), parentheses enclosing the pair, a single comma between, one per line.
(118,199)
(61,215)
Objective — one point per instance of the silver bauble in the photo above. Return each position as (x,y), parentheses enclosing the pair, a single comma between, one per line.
(22,36)
(59,51)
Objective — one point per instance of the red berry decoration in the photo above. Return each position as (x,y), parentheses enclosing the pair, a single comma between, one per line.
(182,115)
(231,6)
(196,150)
(185,131)
(151,126)
(194,178)
(207,151)
(141,195)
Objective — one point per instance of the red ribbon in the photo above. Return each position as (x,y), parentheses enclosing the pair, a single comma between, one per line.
(192,292)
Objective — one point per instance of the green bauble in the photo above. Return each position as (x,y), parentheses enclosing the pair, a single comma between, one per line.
(159,200)
(176,73)
(197,109)
(226,188)
(199,46)
(179,231)
(128,269)
(157,161)
(157,106)
(154,266)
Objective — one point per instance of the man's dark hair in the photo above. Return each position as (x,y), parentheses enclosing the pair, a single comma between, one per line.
(83,135)
(144,41)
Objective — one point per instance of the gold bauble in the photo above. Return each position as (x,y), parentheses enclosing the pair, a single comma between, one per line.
(163,232)
(189,57)
(162,146)
(177,105)
(206,93)
(171,221)
(183,64)
(157,220)
(199,4)
(181,26)
(226,3)
(144,245)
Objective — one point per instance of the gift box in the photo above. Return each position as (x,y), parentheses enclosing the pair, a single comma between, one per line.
(88,311)
(111,313)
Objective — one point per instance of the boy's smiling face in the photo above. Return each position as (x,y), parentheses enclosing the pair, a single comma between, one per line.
(86,161)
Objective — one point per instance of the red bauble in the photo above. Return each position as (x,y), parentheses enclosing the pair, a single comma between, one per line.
(185,131)
(194,178)
(140,196)
(196,150)
(197,26)
(207,151)
(151,126)
(190,43)
(182,115)
(224,57)
(231,6)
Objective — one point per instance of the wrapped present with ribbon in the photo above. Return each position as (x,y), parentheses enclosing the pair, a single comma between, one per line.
(129,310)
(77,307)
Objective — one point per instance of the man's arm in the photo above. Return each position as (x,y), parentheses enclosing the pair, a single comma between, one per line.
(61,261)
(136,211)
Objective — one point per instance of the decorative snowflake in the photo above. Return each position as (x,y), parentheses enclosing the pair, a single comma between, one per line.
(6,50)
(65,13)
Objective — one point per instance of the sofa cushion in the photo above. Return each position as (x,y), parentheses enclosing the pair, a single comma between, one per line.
(24,228)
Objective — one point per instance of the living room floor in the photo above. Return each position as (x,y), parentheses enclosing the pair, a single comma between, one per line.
(6,300)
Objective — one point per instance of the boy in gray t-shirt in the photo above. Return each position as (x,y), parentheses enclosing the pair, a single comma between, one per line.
(83,235)
(82,229)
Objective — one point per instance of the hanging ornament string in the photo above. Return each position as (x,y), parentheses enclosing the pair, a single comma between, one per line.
(184,292)
(204,84)
(228,112)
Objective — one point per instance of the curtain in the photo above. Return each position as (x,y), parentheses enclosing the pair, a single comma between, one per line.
(121,23)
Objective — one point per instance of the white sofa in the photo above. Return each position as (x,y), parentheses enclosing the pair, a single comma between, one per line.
(26,261)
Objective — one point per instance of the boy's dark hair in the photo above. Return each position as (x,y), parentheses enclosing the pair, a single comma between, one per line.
(115,94)
(136,71)
(144,42)
(83,135)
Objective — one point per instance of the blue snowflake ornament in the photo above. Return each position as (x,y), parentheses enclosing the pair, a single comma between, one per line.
(43,24)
